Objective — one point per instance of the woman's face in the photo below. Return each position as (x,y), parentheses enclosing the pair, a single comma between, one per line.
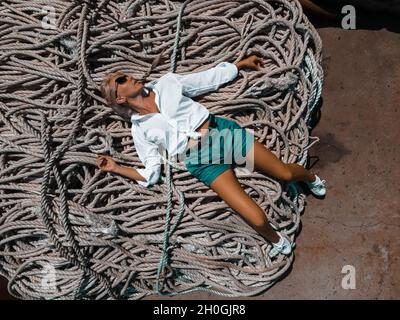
(125,86)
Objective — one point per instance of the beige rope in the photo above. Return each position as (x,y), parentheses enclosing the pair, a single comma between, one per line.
(68,230)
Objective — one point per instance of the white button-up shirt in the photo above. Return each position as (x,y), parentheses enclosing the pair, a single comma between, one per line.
(179,116)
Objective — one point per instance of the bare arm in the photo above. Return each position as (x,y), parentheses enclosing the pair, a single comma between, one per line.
(128,172)
(106,164)
(239,65)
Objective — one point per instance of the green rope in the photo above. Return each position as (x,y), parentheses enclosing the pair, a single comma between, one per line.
(317,79)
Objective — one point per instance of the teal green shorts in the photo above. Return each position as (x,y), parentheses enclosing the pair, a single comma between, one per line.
(224,146)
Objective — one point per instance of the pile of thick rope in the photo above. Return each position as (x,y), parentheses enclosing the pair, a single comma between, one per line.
(69,230)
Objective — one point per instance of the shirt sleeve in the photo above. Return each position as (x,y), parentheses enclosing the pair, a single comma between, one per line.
(201,82)
(150,157)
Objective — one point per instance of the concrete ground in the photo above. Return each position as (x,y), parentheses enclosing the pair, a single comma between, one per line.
(358,222)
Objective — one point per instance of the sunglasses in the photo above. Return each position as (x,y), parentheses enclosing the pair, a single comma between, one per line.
(120,80)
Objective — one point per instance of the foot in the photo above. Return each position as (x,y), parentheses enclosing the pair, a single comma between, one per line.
(283,246)
(317,187)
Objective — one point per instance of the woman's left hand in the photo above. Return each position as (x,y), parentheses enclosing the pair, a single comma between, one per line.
(253,62)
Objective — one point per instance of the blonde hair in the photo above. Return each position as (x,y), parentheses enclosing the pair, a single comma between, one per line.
(108,91)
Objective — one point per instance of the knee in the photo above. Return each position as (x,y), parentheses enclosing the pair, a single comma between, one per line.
(286,175)
(260,221)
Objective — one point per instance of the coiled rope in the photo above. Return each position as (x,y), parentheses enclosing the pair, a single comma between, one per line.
(68,230)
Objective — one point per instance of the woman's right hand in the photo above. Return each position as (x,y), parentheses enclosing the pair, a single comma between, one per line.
(105,163)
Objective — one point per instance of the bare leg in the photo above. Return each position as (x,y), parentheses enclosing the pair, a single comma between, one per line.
(269,163)
(229,189)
